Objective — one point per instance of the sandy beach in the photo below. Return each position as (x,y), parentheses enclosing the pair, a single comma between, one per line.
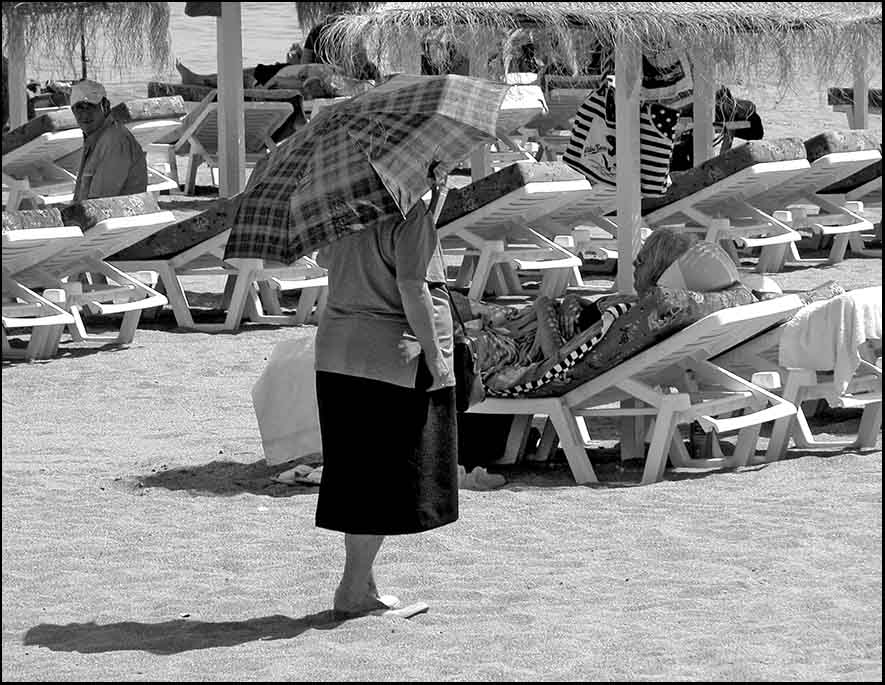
(145,540)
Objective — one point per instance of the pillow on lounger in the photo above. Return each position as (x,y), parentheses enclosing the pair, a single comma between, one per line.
(657,315)
(31,218)
(147,109)
(56,120)
(461,201)
(175,238)
(728,163)
(843,140)
(87,213)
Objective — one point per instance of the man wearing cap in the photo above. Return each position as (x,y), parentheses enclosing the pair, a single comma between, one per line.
(113,161)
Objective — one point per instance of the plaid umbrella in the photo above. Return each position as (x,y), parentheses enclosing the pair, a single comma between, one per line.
(362,163)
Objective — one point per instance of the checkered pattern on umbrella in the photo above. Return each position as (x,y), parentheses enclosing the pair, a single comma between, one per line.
(362,163)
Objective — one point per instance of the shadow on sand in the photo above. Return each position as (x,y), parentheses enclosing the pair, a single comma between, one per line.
(174,637)
(226,478)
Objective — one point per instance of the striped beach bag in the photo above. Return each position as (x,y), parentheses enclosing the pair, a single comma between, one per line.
(591,147)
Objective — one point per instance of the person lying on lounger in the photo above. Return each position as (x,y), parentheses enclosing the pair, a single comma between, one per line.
(517,345)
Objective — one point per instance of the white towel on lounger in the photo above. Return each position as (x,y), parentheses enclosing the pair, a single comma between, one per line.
(827,335)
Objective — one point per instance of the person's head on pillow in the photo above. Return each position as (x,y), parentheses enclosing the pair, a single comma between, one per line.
(663,247)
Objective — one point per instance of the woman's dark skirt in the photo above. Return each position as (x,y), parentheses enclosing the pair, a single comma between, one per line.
(390,455)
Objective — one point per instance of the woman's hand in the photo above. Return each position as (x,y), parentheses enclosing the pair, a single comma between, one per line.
(409,350)
(440,372)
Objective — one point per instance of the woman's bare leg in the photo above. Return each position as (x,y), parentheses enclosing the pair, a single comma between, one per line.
(357,591)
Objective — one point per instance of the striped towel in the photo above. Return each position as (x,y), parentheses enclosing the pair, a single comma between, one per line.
(591,146)
(558,370)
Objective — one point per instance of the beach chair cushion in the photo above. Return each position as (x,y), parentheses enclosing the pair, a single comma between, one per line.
(845,140)
(88,213)
(50,122)
(17,220)
(461,201)
(658,314)
(175,238)
(148,109)
(686,183)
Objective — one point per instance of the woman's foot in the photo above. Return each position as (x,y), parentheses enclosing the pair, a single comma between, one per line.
(363,602)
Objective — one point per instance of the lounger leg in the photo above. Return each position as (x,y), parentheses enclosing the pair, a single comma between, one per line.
(870,425)
(176,296)
(516,439)
(306,301)
(784,427)
(662,437)
(129,326)
(241,290)
(771,259)
(840,246)
(748,438)
(547,442)
(270,300)
(481,275)
(573,445)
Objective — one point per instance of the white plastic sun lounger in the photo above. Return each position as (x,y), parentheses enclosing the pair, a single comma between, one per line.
(242,299)
(24,308)
(758,359)
(726,210)
(672,382)
(121,294)
(844,221)
(497,239)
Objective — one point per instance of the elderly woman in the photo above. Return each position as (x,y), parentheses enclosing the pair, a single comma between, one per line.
(384,368)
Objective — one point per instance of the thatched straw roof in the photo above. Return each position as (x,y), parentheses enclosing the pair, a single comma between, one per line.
(309,13)
(734,34)
(132,32)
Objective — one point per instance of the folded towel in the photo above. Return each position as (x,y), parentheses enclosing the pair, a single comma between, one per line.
(827,335)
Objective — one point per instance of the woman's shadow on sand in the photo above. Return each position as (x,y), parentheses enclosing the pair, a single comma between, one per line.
(174,637)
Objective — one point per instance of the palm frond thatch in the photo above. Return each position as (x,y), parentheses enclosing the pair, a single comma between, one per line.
(734,36)
(132,32)
(312,13)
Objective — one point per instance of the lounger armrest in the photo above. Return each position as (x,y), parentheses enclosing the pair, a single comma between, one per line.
(780,409)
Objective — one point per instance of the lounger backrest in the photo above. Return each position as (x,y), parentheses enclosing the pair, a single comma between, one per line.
(701,340)
(261,120)
(834,156)
(740,173)
(525,190)
(24,248)
(99,242)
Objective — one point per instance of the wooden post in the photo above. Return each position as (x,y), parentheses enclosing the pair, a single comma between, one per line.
(231,127)
(18,96)
(704,99)
(860,110)
(479,66)
(628,65)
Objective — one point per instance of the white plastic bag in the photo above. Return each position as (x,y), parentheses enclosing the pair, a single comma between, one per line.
(285,402)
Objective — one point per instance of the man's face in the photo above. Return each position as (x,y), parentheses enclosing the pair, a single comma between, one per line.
(89,117)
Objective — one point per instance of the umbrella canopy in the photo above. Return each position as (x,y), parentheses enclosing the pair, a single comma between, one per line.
(362,163)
